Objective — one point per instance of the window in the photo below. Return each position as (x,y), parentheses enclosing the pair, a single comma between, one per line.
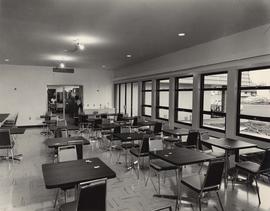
(183,99)
(213,101)
(147,98)
(163,90)
(126,98)
(253,117)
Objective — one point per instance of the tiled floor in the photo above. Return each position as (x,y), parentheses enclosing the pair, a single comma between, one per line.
(22,187)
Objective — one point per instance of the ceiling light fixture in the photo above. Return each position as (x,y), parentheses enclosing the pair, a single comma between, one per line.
(6,60)
(80,46)
(128,55)
(62,65)
(181,34)
(103,66)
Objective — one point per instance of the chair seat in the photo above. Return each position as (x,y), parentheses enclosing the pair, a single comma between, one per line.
(161,165)
(172,139)
(196,183)
(70,206)
(184,144)
(136,152)
(248,166)
(215,154)
(129,145)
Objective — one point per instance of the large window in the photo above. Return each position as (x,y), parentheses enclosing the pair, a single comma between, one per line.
(126,98)
(254,103)
(162,105)
(147,98)
(183,99)
(213,101)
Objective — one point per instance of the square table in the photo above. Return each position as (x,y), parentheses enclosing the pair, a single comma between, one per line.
(127,137)
(75,140)
(146,123)
(180,157)
(176,132)
(71,173)
(230,146)
(107,126)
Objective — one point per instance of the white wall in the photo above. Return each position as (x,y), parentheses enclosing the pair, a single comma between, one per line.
(23,89)
(248,44)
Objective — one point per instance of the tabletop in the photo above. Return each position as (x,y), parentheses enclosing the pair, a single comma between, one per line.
(3,118)
(146,123)
(229,144)
(17,130)
(131,136)
(107,126)
(70,173)
(182,156)
(176,132)
(57,142)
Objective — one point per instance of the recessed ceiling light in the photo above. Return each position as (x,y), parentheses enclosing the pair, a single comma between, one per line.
(81,46)
(181,34)
(62,65)
(104,66)
(6,60)
(128,55)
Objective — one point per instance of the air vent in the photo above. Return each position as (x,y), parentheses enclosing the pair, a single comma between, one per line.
(63,70)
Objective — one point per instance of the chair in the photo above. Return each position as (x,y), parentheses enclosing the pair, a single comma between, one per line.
(156,130)
(66,153)
(62,124)
(91,196)
(140,152)
(156,164)
(207,148)
(192,140)
(119,117)
(6,142)
(254,169)
(206,183)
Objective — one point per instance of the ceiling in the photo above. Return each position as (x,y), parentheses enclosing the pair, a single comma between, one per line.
(42,32)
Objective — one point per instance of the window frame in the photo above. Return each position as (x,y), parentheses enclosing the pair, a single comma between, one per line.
(158,90)
(244,116)
(143,98)
(202,112)
(176,98)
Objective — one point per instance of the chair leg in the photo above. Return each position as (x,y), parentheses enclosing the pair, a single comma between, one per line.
(257,189)
(159,183)
(219,201)
(56,197)
(200,203)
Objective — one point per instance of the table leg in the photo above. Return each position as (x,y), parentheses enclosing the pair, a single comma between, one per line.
(226,169)
(179,178)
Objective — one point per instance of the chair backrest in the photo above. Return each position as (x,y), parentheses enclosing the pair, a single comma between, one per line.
(125,129)
(157,127)
(135,121)
(204,136)
(193,138)
(119,117)
(97,122)
(117,129)
(265,165)
(104,116)
(5,139)
(67,153)
(92,195)
(61,123)
(155,144)
(214,174)
(144,146)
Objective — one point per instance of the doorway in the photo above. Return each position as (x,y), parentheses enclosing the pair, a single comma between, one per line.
(63,101)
